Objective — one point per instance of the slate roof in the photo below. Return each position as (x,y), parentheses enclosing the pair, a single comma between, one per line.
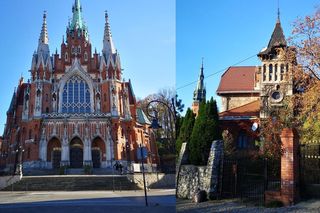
(238,80)
(277,40)
(141,117)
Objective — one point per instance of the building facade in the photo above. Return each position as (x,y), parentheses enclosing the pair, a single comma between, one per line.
(75,110)
(251,93)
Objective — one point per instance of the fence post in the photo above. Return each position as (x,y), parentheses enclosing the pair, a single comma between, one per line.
(289,167)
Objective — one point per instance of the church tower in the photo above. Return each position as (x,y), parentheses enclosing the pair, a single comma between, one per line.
(275,74)
(199,93)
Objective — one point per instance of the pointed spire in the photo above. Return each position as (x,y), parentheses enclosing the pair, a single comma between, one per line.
(201,72)
(77,21)
(200,91)
(108,46)
(43,53)
(44,39)
(277,38)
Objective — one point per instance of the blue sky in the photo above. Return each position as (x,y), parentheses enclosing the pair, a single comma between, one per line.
(143,32)
(225,32)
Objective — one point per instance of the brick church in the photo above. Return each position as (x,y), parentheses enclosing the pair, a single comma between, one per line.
(250,93)
(75,110)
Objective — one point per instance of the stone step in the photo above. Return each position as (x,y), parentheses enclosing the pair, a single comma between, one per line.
(72,183)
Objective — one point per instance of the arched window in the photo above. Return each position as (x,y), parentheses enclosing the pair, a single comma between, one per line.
(270,72)
(281,72)
(276,72)
(76,96)
(66,57)
(264,73)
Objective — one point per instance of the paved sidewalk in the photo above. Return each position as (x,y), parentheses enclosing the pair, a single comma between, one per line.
(186,206)
(88,201)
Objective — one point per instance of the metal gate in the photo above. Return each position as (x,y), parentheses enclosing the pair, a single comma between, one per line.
(310,170)
(243,178)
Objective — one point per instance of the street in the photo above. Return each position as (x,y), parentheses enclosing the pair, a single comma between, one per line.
(87,201)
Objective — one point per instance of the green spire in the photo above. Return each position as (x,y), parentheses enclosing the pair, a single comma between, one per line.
(199,93)
(77,21)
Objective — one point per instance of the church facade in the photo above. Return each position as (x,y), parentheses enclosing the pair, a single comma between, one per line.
(76,109)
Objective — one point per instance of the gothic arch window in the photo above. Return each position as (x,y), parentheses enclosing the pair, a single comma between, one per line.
(276,72)
(270,72)
(76,96)
(264,73)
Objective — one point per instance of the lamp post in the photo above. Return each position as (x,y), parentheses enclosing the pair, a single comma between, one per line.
(172,108)
(143,175)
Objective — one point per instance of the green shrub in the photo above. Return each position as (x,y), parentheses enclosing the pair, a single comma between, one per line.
(63,170)
(274,204)
(87,169)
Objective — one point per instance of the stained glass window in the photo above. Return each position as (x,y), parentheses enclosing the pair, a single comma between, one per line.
(76,96)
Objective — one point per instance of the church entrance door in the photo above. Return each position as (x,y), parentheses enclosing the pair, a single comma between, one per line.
(56,158)
(76,153)
(96,158)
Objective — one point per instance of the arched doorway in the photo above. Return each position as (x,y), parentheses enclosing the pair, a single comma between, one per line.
(54,152)
(98,150)
(76,153)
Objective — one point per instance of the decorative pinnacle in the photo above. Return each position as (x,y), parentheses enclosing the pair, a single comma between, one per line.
(44,39)
(107,38)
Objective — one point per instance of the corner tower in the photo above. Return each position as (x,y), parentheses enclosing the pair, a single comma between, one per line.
(275,72)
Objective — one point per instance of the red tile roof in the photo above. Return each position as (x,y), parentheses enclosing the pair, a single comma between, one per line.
(251,109)
(237,80)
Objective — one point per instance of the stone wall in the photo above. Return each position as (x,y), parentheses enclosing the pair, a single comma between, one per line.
(154,180)
(191,177)
(236,100)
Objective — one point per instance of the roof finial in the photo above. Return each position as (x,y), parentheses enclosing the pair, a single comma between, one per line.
(202,63)
(278,13)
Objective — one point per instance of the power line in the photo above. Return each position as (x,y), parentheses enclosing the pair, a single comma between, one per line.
(239,62)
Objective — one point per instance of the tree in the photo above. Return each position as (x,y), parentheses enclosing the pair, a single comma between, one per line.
(166,134)
(306,38)
(186,129)
(205,131)
(197,136)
